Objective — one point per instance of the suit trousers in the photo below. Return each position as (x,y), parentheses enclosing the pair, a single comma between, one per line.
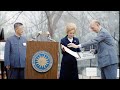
(109,72)
(15,73)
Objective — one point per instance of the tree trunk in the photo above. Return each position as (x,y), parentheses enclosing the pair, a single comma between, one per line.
(53,20)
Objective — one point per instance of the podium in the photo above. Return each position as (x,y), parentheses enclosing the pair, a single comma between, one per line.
(41,60)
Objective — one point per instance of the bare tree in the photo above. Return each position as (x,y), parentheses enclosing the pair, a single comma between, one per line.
(53,18)
(2,18)
(36,22)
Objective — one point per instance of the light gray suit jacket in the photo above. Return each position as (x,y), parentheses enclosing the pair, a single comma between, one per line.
(107,54)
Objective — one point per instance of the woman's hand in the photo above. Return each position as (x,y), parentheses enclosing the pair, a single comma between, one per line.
(72,45)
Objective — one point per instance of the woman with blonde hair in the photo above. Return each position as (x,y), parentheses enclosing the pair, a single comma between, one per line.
(69,68)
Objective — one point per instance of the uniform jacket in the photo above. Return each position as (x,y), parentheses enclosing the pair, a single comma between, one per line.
(15,52)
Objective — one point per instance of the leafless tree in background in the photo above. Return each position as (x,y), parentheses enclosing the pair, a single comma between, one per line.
(53,18)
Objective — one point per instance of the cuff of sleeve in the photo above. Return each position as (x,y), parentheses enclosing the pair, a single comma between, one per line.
(79,45)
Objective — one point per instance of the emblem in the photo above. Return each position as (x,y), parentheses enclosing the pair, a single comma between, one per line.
(42,61)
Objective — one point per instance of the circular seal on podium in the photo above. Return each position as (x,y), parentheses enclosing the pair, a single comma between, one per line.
(42,61)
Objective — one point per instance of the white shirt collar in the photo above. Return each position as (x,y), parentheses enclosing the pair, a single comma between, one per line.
(70,39)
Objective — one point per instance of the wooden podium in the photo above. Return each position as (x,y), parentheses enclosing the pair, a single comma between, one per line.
(34,47)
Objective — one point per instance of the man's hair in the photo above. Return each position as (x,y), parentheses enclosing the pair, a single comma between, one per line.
(95,21)
(17,25)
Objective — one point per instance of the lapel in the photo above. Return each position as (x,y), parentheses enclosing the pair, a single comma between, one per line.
(74,40)
(67,41)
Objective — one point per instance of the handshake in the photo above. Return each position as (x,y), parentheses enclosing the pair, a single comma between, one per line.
(73,45)
(79,46)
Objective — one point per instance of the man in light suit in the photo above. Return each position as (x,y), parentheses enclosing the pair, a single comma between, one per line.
(15,53)
(107,55)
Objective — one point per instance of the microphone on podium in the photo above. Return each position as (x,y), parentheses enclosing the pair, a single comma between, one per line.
(39,33)
(49,37)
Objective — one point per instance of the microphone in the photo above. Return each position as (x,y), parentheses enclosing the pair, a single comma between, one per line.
(51,39)
(39,33)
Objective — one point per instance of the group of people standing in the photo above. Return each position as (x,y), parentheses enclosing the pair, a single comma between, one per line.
(15,52)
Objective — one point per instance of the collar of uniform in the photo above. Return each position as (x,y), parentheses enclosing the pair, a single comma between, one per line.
(18,37)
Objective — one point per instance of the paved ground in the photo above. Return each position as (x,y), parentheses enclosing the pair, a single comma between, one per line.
(81,76)
(87,77)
